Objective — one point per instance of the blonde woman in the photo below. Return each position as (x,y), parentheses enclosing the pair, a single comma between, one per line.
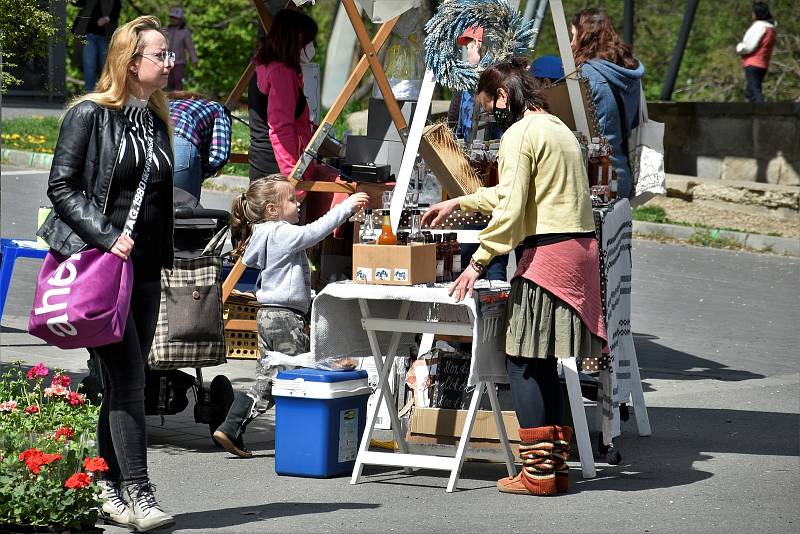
(98,168)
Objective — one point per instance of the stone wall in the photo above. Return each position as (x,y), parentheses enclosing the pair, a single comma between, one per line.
(732,141)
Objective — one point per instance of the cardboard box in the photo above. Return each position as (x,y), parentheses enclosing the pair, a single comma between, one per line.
(438,428)
(444,422)
(394,265)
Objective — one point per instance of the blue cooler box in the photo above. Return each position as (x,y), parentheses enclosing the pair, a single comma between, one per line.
(319,420)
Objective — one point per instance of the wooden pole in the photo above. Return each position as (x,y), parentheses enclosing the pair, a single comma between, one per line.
(241,85)
(338,105)
(354,15)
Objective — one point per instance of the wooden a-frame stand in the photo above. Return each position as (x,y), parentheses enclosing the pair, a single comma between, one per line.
(368,61)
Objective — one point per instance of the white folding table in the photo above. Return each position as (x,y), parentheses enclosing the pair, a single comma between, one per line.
(402,313)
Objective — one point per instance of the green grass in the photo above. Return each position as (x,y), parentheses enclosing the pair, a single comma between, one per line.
(31,134)
(654,214)
(657,214)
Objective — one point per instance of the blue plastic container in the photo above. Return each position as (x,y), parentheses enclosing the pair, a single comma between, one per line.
(319,420)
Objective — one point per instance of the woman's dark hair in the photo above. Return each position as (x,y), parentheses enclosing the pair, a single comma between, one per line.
(514,77)
(290,32)
(596,38)
(761,11)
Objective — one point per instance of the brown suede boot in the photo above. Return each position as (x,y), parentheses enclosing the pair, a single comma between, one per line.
(513,485)
(561,439)
(536,452)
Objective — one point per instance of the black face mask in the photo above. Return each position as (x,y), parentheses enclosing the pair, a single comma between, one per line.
(502,116)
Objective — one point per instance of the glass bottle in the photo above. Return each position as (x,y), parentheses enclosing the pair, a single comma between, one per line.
(416,236)
(594,161)
(447,255)
(439,258)
(456,246)
(367,235)
(387,237)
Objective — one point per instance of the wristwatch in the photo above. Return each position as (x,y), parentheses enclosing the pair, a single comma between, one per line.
(480,269)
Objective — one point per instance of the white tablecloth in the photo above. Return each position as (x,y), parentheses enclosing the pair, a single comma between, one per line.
(336,329)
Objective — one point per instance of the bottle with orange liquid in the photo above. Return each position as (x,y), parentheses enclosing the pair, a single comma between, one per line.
(387,237)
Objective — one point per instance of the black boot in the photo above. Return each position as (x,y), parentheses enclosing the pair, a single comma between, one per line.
(229,434)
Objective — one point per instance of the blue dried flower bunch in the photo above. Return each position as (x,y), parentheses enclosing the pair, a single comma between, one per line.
(505,33)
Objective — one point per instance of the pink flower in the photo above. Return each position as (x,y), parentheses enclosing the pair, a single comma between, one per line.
(32,409)
(37,371)
(76,399)
(56,390)
(8,406)
(61,380)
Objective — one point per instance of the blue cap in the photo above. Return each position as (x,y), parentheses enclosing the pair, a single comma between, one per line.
(547,67)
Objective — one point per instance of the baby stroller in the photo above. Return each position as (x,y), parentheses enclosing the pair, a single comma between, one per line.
(198,232)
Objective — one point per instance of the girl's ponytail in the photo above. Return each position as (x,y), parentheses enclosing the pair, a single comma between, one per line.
(249,208)
(241,230)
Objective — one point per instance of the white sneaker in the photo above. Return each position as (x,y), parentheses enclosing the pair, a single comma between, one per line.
(113,508)
(145,513)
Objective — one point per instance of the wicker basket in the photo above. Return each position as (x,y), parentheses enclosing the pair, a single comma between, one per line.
(241,344)
(447,161)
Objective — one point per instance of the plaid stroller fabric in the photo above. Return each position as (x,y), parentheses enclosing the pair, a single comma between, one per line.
(190,330)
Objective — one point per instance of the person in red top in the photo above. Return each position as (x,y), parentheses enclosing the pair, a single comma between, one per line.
(280,121)
(756,50)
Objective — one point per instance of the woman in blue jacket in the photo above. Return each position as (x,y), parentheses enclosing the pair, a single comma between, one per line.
(615,77)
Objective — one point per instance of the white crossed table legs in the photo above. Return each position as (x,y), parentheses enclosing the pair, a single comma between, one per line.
(383,366)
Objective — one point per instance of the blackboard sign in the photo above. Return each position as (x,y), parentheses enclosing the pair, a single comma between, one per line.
(452,373)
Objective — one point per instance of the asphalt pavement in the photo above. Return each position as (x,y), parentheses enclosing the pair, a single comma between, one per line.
(715,332)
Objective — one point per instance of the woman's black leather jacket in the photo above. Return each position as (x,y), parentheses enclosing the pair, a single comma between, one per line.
(80,178)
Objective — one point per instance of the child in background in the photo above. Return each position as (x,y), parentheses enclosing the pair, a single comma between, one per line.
(180,42)
(263,230)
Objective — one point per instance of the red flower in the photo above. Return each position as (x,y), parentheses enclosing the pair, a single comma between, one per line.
(64,431)
(32,409)
(77,481)
(35,459)
(38,370)
(61,380)
(95,464)
(75,399)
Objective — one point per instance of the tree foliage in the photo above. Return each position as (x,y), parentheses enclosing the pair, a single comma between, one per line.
(710,70)
(225,31)
(23,21)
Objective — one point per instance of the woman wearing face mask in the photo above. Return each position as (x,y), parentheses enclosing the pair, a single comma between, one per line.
(280,124)
(554,311)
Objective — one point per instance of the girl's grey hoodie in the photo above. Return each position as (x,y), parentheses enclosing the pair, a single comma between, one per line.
(278,248)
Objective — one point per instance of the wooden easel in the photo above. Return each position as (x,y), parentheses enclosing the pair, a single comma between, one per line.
(368,60)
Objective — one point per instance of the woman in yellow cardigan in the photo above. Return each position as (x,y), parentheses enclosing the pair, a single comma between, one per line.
(554,311)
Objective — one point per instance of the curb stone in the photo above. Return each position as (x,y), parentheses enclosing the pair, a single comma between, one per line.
(21,158)
(757,242)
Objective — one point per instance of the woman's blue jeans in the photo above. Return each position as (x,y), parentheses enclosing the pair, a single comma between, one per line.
(188,167)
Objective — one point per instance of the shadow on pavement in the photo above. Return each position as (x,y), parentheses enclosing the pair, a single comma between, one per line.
(659,361)
(683,439)
(247,515)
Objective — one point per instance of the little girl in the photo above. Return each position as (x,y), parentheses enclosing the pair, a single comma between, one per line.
(263,224)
